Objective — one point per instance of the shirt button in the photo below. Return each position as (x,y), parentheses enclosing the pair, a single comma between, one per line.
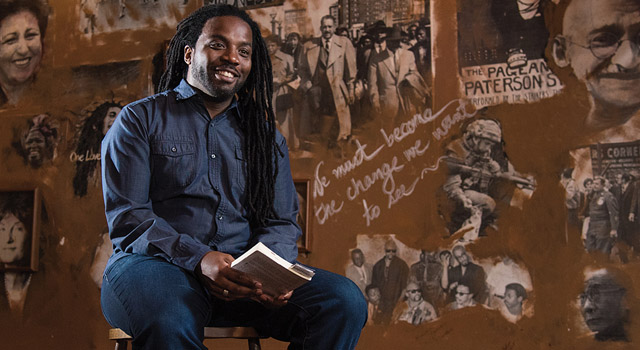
(173,149)
(213,156)
(220,217)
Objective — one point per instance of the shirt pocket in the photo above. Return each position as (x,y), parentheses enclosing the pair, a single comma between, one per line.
(241,171)
(174,163)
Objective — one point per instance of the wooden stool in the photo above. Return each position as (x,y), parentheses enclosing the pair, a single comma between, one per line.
(122,338)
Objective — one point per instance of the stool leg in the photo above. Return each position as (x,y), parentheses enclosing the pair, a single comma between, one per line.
(121,344)
(254,344)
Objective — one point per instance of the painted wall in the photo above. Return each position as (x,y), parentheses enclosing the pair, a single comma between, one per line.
(524,76)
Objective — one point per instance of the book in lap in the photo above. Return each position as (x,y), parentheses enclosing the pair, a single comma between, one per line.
(275,273)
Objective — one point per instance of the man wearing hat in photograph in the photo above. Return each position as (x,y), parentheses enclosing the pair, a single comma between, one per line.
(603,219)
(395,86)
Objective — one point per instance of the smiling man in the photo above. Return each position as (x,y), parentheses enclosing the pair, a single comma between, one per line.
(600,41)
(192,178)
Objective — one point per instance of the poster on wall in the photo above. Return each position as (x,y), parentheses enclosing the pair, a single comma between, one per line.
(36,141)
(501,52)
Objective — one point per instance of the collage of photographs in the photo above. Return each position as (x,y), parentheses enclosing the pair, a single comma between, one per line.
(427,200)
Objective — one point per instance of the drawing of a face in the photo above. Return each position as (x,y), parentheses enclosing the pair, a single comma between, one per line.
(358,258)
(34,146)
(413,292)
(272,47)
(374,295)
(109,118)
(12,237)
(20,48)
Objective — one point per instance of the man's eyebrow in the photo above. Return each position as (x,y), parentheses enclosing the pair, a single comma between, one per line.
(226,40)
(608,28)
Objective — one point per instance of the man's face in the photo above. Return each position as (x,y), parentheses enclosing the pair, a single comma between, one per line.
(511,299)
(463,296)
(34,145)
(221,60)
(374,295)
(484,145)
(327,27)
(380,45)
(389,252)
(293,41)
(598,185)
(20,48)
(272,48)
(421,34)
(614,79)
(601,306)
(12,236)
(413,292)
(588,186)
(619,179)
(109,118)
(462,257)
(358,258)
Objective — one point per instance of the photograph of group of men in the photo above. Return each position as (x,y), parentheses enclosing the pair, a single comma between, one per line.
(329,88)
(438,282)
(605,205)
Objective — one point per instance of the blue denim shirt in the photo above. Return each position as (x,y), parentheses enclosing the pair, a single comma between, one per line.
(174,183)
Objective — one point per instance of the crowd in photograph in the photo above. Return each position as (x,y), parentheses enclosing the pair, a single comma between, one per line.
(327,88)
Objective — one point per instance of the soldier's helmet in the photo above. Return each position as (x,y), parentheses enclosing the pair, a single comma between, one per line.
(486,129)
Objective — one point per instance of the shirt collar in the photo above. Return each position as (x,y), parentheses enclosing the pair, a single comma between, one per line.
(185,91)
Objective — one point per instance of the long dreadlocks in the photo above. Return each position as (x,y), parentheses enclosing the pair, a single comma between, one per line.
(257,120)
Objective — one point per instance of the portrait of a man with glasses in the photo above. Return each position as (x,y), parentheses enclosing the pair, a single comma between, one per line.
(600,42)
(603,308)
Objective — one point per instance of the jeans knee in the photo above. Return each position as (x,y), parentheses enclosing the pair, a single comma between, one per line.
(350,300)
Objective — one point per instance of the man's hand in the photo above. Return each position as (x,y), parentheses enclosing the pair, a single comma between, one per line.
(613,234)
(274,302)
(222,281)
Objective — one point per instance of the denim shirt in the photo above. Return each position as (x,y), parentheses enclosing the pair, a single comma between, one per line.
(174,183)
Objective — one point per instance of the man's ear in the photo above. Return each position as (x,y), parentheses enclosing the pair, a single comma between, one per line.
(559,51)
(188,54)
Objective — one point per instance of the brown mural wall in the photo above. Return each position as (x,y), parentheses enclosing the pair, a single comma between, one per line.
(408,181)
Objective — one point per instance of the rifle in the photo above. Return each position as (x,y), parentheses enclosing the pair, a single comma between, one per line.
(456,165)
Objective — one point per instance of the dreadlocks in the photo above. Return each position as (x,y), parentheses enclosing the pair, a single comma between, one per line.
(257,120)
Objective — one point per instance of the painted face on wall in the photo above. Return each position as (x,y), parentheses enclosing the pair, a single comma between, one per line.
(35,146)
(461,256)
(12,236)
(413,292)
(20,48)
(221,60)
(602,48)
(109,118)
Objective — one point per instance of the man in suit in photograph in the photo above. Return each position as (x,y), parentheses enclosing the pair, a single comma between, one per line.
(328,72)
(395,85)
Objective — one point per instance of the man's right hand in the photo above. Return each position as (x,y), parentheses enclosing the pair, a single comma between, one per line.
(217,276)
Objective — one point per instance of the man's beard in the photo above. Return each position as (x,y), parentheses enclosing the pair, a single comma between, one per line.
(216,93)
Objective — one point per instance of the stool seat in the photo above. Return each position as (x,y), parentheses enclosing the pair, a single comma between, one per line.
(248,333)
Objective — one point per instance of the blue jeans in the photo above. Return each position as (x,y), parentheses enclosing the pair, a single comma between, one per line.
(165,307)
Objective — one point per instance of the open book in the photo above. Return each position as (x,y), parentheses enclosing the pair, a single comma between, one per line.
(276,274)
